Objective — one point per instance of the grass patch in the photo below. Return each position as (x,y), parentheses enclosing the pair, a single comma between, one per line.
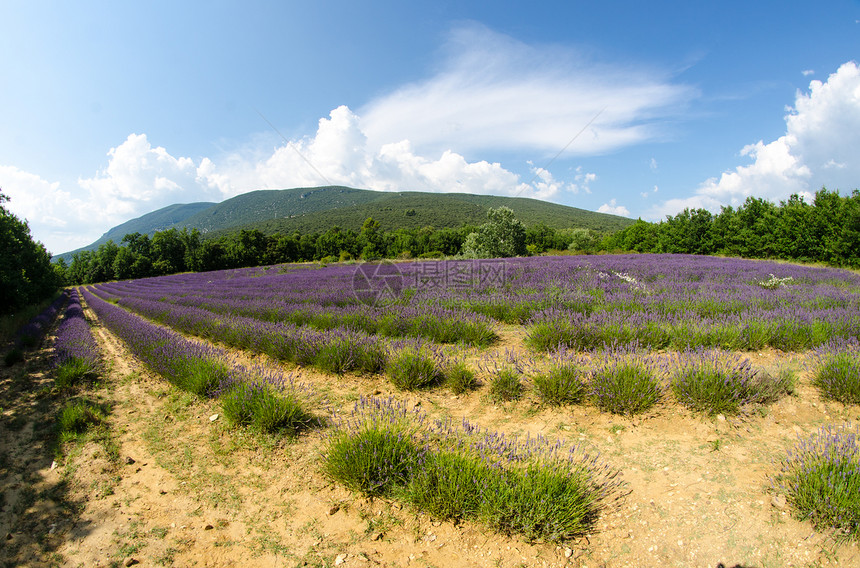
(73,371)
(77,417)
(820,479)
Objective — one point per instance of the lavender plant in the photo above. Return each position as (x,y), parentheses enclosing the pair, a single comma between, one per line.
(716,382)
(76,353)
(820,479)
(413,368)
(561,384)
(837,373)
(543,490)
(460,378)
(506,385)
(260,405)
(625,383)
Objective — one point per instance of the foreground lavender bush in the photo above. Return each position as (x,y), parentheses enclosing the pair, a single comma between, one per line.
(626,382)
(531,486)
(838,372)
(261,405)
(716,382)
(413,368)
(820,479)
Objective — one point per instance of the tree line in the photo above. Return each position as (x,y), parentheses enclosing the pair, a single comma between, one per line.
(172,250)
(826,230)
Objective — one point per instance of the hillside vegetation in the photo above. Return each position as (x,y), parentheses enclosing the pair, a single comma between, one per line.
(318,209)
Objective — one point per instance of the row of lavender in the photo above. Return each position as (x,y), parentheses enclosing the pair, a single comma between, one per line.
(577,302)
(254,396)
(76,353)
(435,323)
(32,333)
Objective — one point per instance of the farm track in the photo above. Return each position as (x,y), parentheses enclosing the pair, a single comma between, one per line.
(202,494)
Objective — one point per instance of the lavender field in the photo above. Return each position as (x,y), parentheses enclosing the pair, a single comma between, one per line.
(685,343)
(659,301)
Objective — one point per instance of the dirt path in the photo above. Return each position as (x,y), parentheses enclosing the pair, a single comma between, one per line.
(198,493)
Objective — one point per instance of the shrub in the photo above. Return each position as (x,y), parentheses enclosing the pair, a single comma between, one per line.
(449,485)
(506,385)
(374,460)
(838,375)
(411,369)
(201,376)
(460,378)
(547,501)
(625,387)
(820,479)
(261,406)
(715,382)
(562,384)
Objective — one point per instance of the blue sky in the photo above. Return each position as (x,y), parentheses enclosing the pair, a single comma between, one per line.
(111,110)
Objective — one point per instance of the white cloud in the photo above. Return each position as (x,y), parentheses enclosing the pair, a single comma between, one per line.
(613,209)
(494,92)
(140,178)
(818,149)
(807,72)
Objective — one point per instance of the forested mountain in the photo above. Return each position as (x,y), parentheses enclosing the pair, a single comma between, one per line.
(315,210)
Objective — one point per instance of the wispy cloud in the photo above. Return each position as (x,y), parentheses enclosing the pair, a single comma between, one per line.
(493,92)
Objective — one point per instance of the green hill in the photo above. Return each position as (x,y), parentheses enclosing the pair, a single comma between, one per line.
(310,210)
(316,209)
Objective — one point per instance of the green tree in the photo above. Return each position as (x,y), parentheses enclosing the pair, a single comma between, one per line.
(502,236)
(26,274)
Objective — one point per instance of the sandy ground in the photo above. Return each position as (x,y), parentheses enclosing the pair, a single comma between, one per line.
(172,485)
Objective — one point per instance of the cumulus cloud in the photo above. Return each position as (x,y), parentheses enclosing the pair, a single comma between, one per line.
(140,178)
(818,149)
(614,209)
(494,92)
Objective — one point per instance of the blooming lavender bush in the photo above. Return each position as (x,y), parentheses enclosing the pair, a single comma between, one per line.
(541,489)
(716,382)
(563,383)
(33,331)
(413,368)
(626,382)
(838,372)
(820,479)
